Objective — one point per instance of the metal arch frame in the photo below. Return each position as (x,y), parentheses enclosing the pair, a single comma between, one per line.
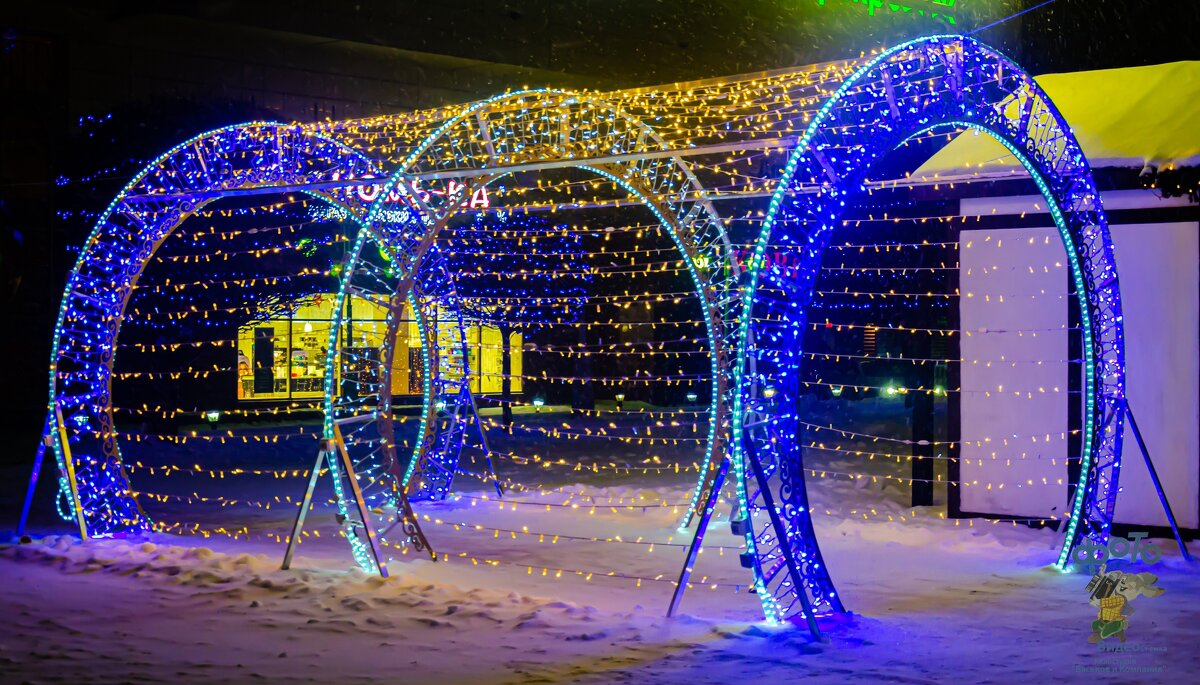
(378,453)
(713,473)
(790,575)
(379,466)
(696,211)
(783,554)
(448,460)
(449,405)
(147,210)
(441,441)
(390,237)
(434,387)
(55,424)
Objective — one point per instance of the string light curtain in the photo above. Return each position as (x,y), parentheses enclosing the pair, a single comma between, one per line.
(747,176)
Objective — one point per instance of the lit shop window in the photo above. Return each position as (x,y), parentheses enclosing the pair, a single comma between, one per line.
(487,359)
(283,357)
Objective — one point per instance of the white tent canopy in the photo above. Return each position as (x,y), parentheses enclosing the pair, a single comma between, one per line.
(1129,118)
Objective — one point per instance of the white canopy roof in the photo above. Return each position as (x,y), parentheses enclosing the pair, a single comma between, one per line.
(1122,117)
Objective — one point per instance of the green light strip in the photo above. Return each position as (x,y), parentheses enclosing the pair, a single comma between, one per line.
(875,8)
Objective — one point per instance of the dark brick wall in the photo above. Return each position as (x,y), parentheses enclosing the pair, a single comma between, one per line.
(164,77)
(110,59)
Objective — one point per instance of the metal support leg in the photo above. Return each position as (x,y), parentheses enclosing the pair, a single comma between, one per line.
(710,504)
(299,525)
(691,515)
(487,450)
(65,445)
(334,451)
(1060,535)
(1162,496)
(784,546)
(363,513)
(33,478)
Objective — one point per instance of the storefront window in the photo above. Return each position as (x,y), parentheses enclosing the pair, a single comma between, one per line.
(262,360)
(284,358)
(487,362)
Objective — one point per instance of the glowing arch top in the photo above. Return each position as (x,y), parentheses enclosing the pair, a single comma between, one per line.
(545,130)
(794,145)
(223,162)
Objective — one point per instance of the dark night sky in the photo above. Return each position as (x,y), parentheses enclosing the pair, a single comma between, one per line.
(638,42)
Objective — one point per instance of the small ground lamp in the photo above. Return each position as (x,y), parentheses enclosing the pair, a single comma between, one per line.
(620,397)
(538,403)
(692,397)
(212,416)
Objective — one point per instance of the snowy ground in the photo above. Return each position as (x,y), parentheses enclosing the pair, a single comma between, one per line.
(932,600)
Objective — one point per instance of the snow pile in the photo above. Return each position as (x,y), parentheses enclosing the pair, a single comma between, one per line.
(117,610)
(932,600)
(207,612)
(255,581)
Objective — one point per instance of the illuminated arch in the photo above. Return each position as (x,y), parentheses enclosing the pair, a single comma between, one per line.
(932,83)
(252,158)
(754,318)
(555,129)
(359,411)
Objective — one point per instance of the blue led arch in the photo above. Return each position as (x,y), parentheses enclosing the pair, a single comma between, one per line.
(939,82)
(932,83)
(510,128)
(232,160)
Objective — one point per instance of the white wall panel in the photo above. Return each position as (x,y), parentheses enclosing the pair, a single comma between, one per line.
(1159,267)
(1014,375)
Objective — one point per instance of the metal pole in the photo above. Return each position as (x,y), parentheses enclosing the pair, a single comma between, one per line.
(363,514)
(33,478)
(1162,496)
(691,516)
(922,439)
(70,464)
(698,539)
(487,450)
(308,495)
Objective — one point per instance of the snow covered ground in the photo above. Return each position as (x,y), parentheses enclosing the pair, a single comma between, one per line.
(931,600)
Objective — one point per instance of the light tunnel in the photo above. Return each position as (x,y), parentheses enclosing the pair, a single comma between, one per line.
(663,149)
